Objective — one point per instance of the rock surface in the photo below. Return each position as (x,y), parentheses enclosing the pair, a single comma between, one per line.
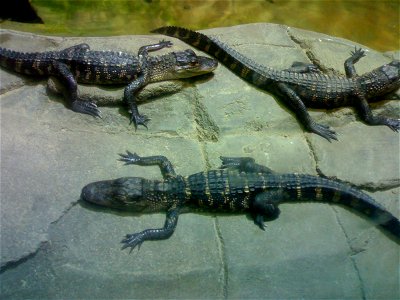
(53,246)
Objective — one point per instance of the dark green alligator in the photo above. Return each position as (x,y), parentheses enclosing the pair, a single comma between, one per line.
(240,185)
(80,64)
(304,85)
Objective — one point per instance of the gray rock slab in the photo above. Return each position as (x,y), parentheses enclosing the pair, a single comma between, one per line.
(375,165)
(55,247)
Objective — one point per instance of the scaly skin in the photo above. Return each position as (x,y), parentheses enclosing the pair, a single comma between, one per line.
(240,185)
(79,64)
(302,85)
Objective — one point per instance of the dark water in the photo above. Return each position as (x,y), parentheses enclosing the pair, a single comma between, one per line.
(372,23)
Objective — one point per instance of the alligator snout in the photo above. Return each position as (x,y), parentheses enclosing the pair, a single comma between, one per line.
(96,193)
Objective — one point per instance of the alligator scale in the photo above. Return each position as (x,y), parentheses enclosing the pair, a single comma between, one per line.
(303,85)
(80,64)
(240,185)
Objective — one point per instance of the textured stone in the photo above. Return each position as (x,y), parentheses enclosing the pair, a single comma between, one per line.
(54,246)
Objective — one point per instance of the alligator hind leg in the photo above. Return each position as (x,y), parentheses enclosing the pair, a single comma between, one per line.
(349,63)
(61,71)
(265,206)
(298,107)
(149,48)
(136,239)
(366,114)
(76,48)
(166,168)
(302,67)
(243,164)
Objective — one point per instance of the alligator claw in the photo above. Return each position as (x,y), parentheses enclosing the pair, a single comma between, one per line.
(324,131)
(259,221)
(393,124)
(137,120)
(165,43)
(86,107)
(132,240)
(357,53)
(313,68)
(129,158)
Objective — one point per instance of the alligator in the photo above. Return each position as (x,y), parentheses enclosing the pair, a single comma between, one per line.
(240,185)
(79,64)
(304,85)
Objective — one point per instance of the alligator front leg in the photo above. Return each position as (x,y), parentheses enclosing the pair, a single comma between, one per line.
(166,168)
(243,164)
(349,63)
(366,114)
(298,107)
(62,72)
(140,82)
(130,92)
(136,239)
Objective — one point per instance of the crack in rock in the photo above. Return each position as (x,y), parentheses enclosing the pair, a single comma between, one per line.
(207,129)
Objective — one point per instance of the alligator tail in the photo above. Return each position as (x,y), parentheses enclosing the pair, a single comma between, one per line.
(331,191)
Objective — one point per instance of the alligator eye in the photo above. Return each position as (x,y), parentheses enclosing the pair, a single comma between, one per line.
(190,52)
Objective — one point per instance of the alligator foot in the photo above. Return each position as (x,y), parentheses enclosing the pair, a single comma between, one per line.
(357,54)
(132,240)
(86,107)
(137,120)
(323,131)
(393,124)
(129,158)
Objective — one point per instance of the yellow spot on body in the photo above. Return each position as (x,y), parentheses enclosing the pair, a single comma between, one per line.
(244,72)
(354,203)
(298,191)
(318,193)
(298,187)
(245,201)
(207,47)
(259,79)
(188,192)
(227,188)
(233,66)
(314,97)
(211,201)
(18,66)
(231,204)
(196,42)
(207,187)
(187,35)
(336,197)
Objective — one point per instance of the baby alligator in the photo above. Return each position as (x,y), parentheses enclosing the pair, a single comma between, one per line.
(240,185)
(80,64)
(303,85)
